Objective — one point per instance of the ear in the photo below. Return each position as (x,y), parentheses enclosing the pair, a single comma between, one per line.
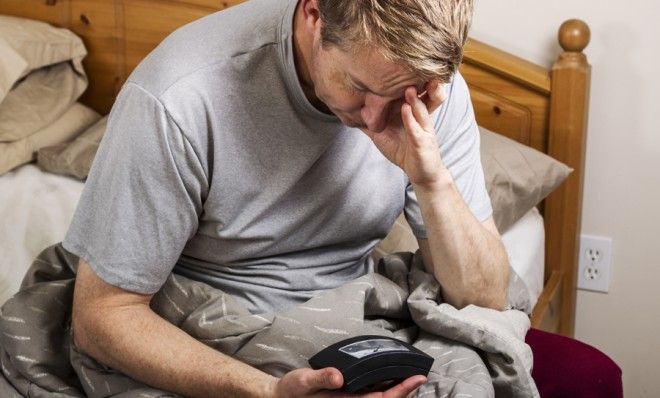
(310,15)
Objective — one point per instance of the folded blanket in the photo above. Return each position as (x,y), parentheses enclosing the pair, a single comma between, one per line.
(478,352)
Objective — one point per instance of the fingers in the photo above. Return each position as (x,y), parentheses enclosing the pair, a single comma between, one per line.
(419,109)
(324,379)
(307,382)
(410,124)
(406,387)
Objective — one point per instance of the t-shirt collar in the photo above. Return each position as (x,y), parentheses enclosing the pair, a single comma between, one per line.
(286,57)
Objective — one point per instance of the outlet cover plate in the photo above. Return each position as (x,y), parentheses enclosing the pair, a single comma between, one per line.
(594,268)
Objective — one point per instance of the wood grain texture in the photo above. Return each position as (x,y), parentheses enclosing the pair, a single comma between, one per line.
(547,313)
(505,106)
(42,10)
(567,143)
(95,21)
(502,63)
(545,109)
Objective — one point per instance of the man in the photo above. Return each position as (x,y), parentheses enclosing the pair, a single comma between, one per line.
(265,150)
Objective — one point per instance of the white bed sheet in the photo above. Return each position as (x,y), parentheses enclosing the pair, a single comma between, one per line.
(35,211)
(36,208)
(524,242)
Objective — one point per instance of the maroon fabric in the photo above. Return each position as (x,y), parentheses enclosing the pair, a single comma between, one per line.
(565,367)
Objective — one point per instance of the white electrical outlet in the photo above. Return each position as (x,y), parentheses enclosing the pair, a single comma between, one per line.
(595,261)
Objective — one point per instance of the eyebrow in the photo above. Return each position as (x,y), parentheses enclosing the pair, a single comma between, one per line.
(363,86)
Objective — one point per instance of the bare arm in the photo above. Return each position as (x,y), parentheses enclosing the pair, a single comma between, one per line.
(119,329)
(465,256)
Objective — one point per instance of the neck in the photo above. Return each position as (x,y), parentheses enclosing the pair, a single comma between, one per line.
(302,50)
(301,47)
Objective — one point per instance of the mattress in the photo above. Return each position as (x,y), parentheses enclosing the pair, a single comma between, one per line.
(37,208)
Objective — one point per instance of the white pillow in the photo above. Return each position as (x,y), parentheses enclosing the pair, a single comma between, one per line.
(525,245)
(73,122)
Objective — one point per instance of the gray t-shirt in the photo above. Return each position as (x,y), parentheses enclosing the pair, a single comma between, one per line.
(215,166)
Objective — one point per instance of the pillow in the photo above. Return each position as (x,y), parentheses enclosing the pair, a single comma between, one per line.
(69,125)
(38,43)
(518,177)
(41,75)
(11,67)
(38,100)
(73,158)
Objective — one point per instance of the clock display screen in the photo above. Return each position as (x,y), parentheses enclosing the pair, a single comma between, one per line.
(364,348)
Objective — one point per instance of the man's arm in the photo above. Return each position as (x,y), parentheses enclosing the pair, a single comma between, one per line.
(119,329)
(466,257)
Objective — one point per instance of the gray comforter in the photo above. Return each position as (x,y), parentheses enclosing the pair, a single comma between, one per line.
(478,352)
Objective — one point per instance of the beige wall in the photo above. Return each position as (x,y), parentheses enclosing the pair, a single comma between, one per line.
(622,177)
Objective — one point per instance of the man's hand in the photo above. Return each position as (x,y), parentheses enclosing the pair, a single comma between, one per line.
(467,258)
(321,383)
(409,141)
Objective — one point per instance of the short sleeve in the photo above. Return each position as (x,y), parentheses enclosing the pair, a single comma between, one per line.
(142,199)
(458,142)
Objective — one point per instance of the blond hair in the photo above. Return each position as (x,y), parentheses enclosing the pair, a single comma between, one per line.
(425,35)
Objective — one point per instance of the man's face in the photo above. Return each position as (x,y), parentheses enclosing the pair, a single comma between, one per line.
(364,90)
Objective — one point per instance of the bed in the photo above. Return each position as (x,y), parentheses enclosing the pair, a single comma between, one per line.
(545,109)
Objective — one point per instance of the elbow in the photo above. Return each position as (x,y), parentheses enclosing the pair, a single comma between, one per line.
(495,300)
(487,291)
(499,301)
(496,294)
(87,326)
(80,330)
(494,291)
(89,333)
(500,290)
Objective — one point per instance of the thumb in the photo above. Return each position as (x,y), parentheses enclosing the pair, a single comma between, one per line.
(326,379)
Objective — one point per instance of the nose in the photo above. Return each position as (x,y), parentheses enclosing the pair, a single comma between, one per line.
(375,112)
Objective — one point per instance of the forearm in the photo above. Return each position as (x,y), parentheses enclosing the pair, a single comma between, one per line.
(468,261)
(137,342)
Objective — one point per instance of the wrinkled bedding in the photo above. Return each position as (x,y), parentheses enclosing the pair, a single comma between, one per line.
(478,352)
(35,212)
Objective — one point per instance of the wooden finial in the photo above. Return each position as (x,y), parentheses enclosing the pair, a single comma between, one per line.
(574,35)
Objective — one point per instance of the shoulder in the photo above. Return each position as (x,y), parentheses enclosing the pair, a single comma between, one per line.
(209,44)
(456,115)
(457,99)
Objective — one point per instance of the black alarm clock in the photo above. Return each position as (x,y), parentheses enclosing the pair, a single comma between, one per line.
(373,363)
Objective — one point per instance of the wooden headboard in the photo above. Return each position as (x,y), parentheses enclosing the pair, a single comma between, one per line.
(545,109)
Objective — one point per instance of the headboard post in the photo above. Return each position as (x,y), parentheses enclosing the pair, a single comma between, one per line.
(567,141)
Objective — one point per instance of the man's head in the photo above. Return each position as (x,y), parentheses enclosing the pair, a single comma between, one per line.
(364,53)
(425,35)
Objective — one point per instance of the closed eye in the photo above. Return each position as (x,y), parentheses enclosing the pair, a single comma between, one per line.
(359,89)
